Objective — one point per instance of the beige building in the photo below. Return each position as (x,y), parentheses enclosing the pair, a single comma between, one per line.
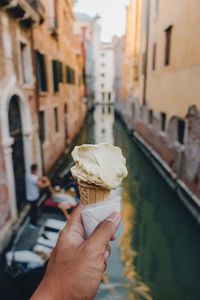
(118,46)
(173,59)
(106,76)
(132,50)
(89,30)
(161,90)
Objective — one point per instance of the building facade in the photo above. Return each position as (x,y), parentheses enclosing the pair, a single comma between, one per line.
(164,107)
(106,94)
(118,43)
(19,144)
(89,30)
(41,96)
(58,56)
(131,65)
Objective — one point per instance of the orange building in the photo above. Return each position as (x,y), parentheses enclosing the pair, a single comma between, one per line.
(58,56)
(41,96)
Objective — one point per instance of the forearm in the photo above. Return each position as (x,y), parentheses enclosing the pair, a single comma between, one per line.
(48,291)
(43,292)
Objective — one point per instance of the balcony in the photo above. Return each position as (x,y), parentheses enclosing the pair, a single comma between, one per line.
(28,12)
(38,6)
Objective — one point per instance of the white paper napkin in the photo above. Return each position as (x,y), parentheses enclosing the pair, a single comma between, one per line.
(94,214)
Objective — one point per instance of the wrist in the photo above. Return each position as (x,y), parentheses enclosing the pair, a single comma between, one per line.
(44,292)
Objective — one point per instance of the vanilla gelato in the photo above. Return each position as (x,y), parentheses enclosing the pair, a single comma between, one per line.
(101,165)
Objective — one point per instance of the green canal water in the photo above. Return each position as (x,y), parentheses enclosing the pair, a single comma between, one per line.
(157,252)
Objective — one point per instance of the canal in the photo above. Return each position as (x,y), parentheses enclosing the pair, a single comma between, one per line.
(156,255)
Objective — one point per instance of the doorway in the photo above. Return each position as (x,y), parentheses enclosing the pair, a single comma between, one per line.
(15,128)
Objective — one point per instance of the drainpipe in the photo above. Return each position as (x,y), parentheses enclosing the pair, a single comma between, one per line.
(37,98)
(146,53)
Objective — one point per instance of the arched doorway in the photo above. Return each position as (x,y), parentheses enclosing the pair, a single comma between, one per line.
(15,128)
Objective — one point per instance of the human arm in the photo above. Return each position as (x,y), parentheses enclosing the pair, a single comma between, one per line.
(76,265)
(43,182)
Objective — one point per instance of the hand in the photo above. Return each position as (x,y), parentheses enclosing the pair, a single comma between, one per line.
(76,265)
(44,182)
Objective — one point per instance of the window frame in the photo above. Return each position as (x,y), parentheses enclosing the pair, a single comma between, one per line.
(154,56)
(168,42)
(56,119)
(41,72)
(42,126)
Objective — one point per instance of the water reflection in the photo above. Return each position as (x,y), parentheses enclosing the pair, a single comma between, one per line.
(103,126)
(121,280)
(137,289)
(164,234)
(156,255)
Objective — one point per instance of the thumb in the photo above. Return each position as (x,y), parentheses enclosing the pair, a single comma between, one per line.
(105,230)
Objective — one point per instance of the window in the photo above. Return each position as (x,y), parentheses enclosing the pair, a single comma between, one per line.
(154,57)
(151,116)
(42,126)
(102,74)
(103,97)
(102,85)
(57,74)
(71,76)
(68,75)
(181,131)
(144,65)
(41,72)
(102,54)
(103,65)
(25,59)
(163,121)
(60,72)
(109,97)
(65,108)
(56,119)
(168,33)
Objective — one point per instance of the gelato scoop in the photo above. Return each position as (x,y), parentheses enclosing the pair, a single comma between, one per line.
(100,165)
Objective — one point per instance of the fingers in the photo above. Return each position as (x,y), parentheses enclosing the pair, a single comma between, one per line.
(107,254)
(74,218)
(113,238)
(73,233)
(105,231)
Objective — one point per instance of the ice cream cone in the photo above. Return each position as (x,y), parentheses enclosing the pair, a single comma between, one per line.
(91,194)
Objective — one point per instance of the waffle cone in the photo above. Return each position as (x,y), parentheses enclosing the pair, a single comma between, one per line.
(91,194)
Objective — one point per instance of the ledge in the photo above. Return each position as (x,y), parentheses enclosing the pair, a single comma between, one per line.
(27,13)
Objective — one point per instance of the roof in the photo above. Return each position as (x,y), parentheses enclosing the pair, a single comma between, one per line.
(85,17)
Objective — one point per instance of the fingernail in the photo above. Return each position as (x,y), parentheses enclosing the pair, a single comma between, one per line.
(106,255)
(113,238)
(115,217)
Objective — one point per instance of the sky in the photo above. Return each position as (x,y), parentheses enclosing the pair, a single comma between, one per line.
(112,12)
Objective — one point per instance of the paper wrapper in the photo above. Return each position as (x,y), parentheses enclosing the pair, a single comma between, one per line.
(94,214)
